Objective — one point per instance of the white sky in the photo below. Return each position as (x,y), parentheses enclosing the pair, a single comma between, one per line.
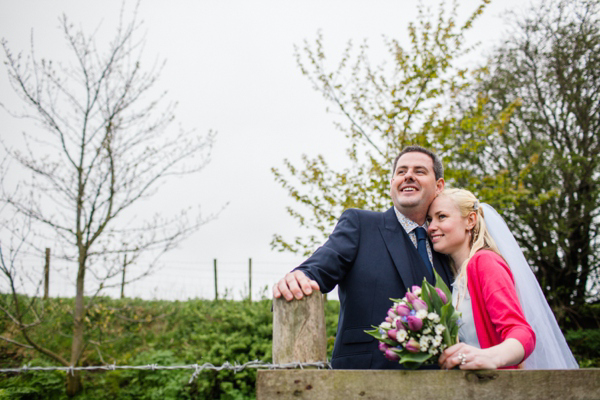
(230,65)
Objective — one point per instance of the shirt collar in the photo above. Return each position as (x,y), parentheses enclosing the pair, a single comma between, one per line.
(408,224)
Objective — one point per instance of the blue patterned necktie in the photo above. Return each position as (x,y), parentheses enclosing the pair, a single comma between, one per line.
(422,248)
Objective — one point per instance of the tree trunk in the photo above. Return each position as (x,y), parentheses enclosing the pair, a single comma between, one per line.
(74,383)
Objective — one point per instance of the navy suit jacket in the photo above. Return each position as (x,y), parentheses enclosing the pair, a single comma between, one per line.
(372,259)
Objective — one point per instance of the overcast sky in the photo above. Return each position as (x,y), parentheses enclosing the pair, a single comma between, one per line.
(230,66)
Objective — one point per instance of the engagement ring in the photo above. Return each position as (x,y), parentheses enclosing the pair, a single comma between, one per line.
(463,358)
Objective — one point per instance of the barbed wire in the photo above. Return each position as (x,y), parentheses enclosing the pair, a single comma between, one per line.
(198,368)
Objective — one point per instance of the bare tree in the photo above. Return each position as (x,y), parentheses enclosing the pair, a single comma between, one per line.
(107,141)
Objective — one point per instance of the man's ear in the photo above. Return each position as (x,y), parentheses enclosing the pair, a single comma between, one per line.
(439,186)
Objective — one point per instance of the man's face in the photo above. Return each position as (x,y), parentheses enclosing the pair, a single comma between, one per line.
(413,185)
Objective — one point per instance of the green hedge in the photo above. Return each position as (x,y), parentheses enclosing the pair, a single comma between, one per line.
(138,332)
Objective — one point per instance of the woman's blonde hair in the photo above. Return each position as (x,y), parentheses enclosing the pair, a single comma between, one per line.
(467,203)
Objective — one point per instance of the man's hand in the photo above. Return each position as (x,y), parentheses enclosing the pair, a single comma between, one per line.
(294,285)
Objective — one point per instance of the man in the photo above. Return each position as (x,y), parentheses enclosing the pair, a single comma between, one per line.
(372,257)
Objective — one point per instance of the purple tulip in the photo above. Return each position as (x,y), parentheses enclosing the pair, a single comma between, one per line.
(383,347)
(391,355)
(414,323)
(398,324)
(442,295)
(392,333)
(402,310)
(412,346)
(419,304)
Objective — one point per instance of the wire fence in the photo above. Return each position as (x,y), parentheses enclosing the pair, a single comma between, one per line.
(197,368)
(175,280)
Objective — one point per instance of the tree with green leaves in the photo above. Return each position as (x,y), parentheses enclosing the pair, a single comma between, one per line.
(520,131)
(383,108)
(538,164)
(106,143)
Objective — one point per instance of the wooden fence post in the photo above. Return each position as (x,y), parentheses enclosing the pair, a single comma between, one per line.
(327,384)
(250,279)
(216,288)
(299,330)
(123,277)
(47,274)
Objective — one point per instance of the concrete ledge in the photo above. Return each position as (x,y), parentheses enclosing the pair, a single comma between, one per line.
(422,385)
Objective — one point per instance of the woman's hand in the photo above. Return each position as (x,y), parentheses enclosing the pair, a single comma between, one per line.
(466,357)
(509,352)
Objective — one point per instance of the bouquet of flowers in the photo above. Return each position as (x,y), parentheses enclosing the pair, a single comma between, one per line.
(419,326)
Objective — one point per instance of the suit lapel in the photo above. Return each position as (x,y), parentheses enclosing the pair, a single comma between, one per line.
(393,236)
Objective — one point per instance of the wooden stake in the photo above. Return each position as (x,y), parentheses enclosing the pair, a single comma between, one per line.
(47,274)
(299,330)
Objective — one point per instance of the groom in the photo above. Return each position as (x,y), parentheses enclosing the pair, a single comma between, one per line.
(374,256)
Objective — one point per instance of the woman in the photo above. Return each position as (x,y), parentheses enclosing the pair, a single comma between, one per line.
(496,332)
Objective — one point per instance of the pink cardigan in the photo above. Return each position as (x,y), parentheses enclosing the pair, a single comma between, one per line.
(496,309)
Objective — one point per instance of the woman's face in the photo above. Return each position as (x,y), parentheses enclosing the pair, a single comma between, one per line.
(448,229)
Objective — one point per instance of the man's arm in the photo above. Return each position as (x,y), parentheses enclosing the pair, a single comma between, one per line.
(327,266)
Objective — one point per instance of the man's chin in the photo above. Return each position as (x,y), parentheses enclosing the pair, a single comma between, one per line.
(410,203)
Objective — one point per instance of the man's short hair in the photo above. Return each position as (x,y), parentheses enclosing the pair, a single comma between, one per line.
(438,167)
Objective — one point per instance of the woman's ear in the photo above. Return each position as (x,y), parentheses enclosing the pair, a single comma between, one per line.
(471,220)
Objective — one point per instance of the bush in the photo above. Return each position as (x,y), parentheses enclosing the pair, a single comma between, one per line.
(585,345)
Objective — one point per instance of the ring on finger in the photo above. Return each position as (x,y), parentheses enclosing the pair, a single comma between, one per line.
(462,358)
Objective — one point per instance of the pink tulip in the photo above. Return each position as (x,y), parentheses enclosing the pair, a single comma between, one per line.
(419,304)
(388,319)
(391,313)
(383,347)
(398,324)
(413,346)
(414,323)
(442,295)
(392,333)
(411,297)
(402,310)
(391,355)
(415,288)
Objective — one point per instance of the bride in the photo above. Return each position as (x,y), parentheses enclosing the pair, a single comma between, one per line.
(506,321)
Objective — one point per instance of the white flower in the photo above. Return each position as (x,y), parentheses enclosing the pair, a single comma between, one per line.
(433,317)
(401,335)
(417,292)
(427,331)
(421,314)
(437,341)
(439,329)
(385,325)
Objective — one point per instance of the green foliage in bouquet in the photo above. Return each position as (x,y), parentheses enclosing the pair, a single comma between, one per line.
(419,326)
